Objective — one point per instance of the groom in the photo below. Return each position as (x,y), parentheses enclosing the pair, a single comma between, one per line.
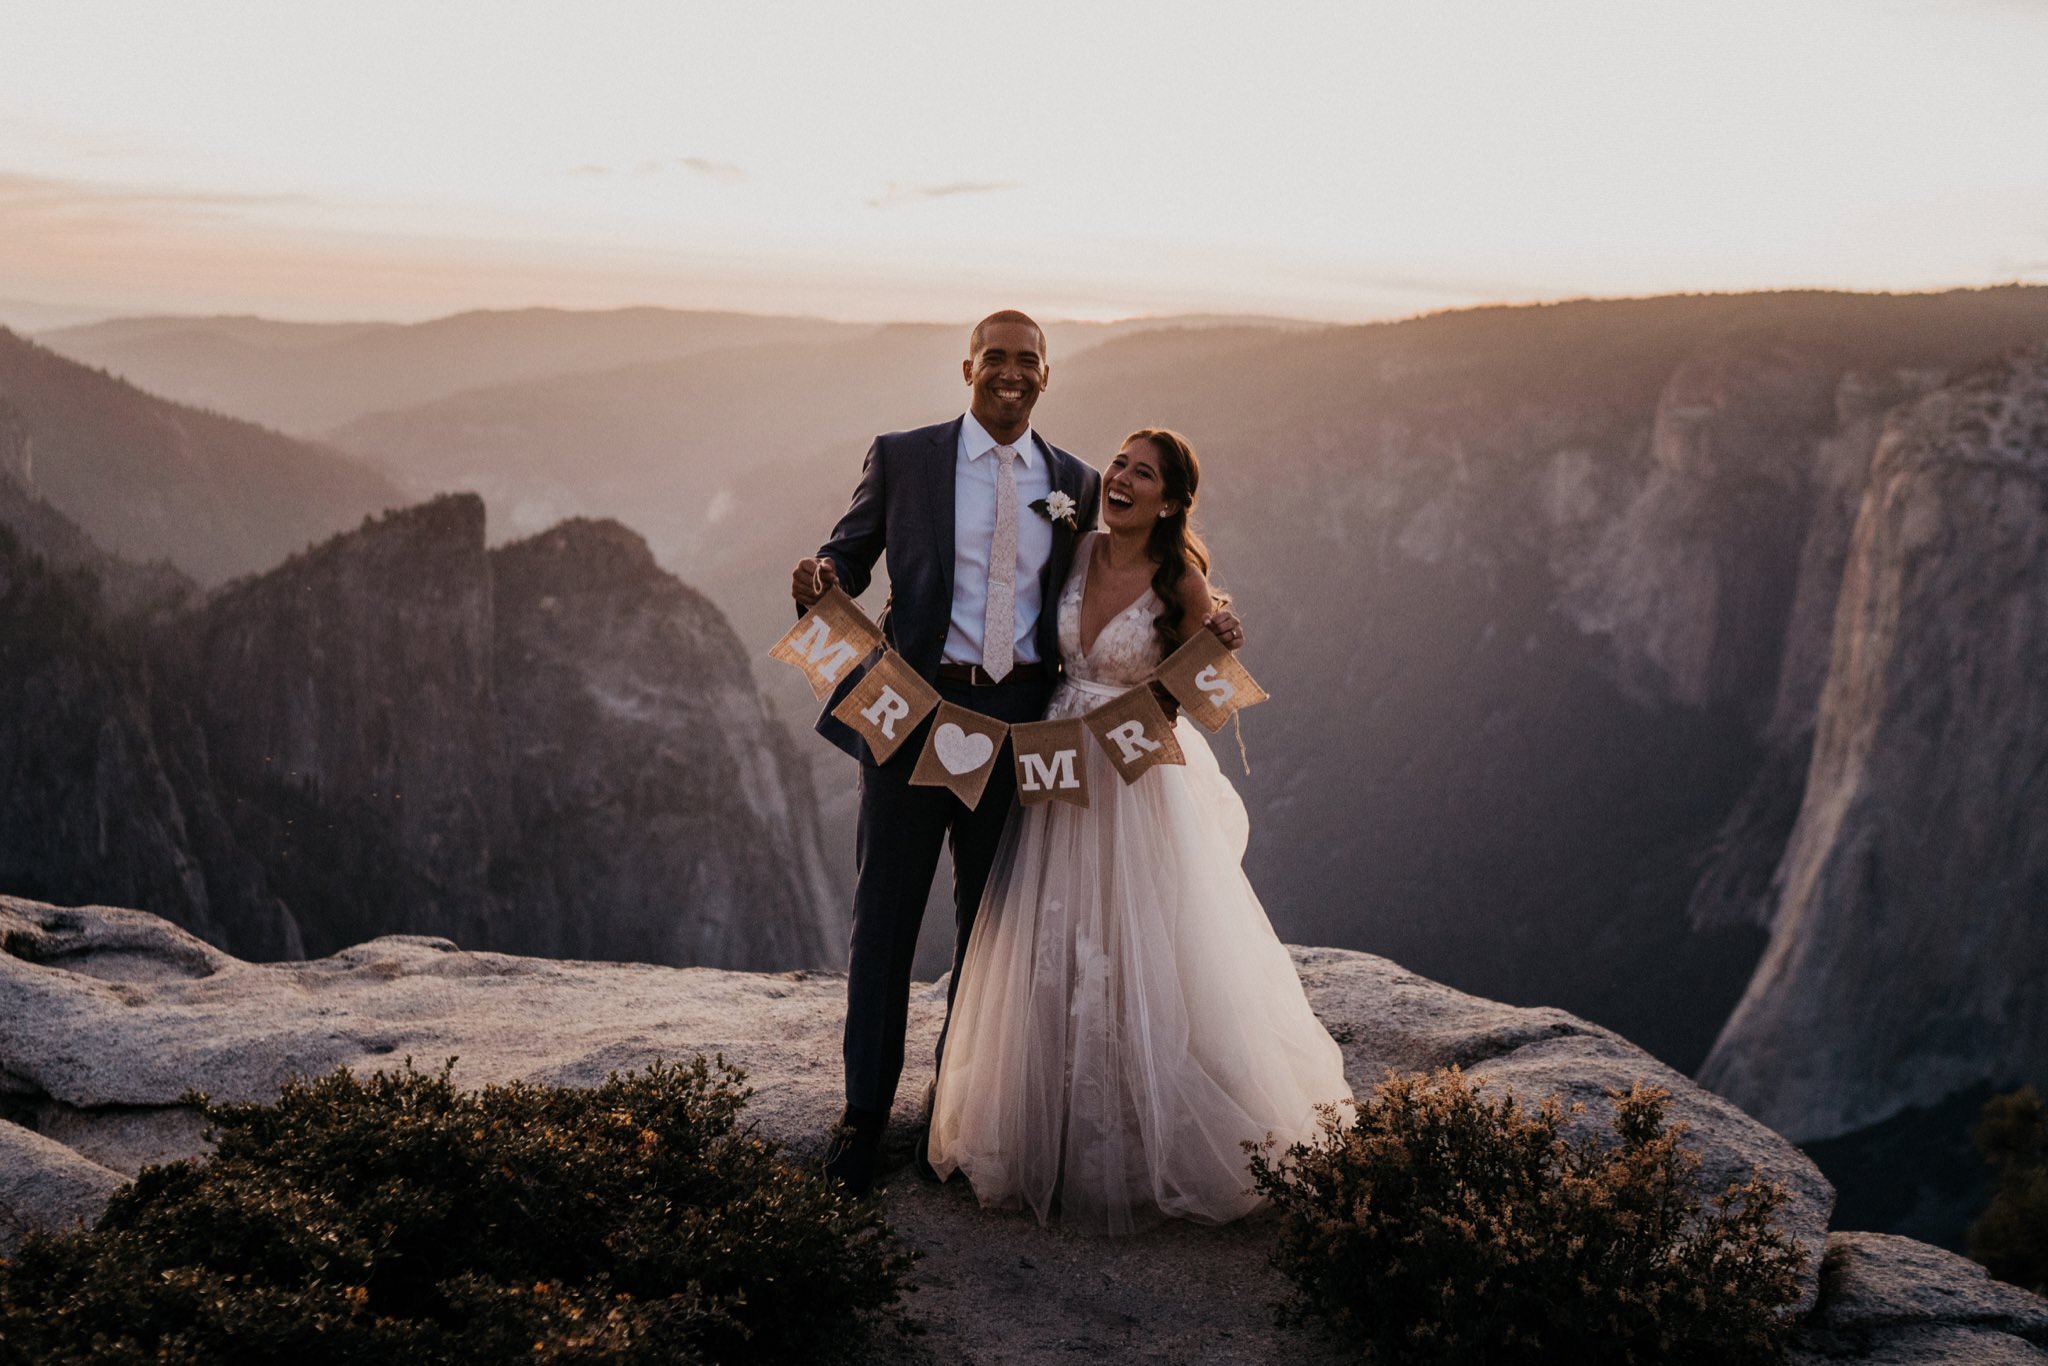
(975,572)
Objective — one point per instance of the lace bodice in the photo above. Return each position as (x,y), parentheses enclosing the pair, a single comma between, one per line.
(1127,650)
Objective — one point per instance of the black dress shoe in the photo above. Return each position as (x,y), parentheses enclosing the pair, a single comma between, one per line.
(923,1160)
(856,1148)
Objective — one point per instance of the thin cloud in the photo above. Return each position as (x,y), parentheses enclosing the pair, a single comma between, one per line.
(31,195)
(84,143)
(724,172)
(911,194)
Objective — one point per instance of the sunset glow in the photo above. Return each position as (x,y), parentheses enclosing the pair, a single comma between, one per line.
(912,160)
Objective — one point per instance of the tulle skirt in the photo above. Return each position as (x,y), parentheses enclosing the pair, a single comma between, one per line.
(1126,1018)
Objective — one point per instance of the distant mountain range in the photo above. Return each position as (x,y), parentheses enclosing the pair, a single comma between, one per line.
(149,480)
(1553,601)
(29,315)
(304,378)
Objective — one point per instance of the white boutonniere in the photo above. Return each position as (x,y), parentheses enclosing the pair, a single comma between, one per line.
(1057,506)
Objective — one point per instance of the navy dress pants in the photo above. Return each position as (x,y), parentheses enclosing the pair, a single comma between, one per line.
(897,852)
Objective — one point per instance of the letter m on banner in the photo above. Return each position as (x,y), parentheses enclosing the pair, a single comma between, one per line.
(828,640)
(1052,761)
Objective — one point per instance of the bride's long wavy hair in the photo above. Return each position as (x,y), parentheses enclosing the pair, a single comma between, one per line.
(1173,543)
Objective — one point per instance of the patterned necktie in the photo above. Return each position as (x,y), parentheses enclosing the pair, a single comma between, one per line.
(999,626)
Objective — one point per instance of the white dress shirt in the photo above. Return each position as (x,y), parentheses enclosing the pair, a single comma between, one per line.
(974,532)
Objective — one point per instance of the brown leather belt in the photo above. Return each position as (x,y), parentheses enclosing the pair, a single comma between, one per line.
(974,676)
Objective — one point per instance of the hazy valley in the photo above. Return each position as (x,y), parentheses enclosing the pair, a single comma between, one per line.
(1631,657)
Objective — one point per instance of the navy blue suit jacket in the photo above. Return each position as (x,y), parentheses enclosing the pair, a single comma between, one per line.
(903,508)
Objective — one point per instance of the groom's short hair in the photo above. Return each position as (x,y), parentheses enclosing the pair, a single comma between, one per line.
(1004,315)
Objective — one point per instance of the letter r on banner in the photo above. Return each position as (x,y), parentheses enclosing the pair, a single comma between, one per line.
(887,705)
(889,708)
(1134,733)
(1129,738)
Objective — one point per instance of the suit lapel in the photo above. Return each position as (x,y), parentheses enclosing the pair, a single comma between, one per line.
(945,473)
(1067,478)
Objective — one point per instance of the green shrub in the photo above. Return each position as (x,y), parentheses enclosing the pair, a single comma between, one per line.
(2011,1237)
(396,1219)
(1444,1226)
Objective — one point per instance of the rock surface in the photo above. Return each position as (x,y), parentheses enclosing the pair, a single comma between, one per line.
(398,731)
(108,1016)
(1891,1299)
(664,815)
(44,1184)
(105,792)
(1908,934)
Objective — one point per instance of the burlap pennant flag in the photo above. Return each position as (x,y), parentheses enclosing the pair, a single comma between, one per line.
(1208,682)
(1050,763)
(827,640)
(960,753)
(1134,732)
(886,705)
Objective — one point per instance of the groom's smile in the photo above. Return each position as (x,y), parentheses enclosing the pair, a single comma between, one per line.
(1007,371)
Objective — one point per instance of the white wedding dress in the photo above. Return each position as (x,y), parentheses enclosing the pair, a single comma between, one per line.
(1126,1018)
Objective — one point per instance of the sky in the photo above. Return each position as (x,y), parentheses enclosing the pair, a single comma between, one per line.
(898,159)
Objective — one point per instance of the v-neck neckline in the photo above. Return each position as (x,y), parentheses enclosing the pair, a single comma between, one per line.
(1081,615)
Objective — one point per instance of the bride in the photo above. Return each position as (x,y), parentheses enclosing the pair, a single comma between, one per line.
(1126,1017)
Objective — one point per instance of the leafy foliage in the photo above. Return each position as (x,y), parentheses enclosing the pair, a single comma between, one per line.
(2011,1237)
(1442,1226)
(398,1219)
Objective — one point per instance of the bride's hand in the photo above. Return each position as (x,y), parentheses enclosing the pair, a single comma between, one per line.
(1227,627)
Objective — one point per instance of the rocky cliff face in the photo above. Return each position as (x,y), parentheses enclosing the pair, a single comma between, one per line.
(1575,571)
(108,1016)
(107,791)
(348,702)
(644,770)
(1734,885)
(1908,935)
(89,806)
(353,744)
(1690,580)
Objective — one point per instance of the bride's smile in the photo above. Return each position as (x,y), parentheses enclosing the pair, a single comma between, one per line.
(1133,495)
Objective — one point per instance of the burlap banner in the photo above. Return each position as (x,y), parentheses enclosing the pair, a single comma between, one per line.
(1208,682)
(962,747)
(1052,763)
(832,635)
(1134,733)
(960,753)
(886,705)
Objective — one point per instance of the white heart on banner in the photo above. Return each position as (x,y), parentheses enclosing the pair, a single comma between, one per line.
(959,751)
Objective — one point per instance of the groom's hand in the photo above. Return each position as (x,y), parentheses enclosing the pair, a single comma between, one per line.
(809,580)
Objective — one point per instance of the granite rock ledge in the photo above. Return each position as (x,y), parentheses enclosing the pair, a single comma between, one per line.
(107,1016)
